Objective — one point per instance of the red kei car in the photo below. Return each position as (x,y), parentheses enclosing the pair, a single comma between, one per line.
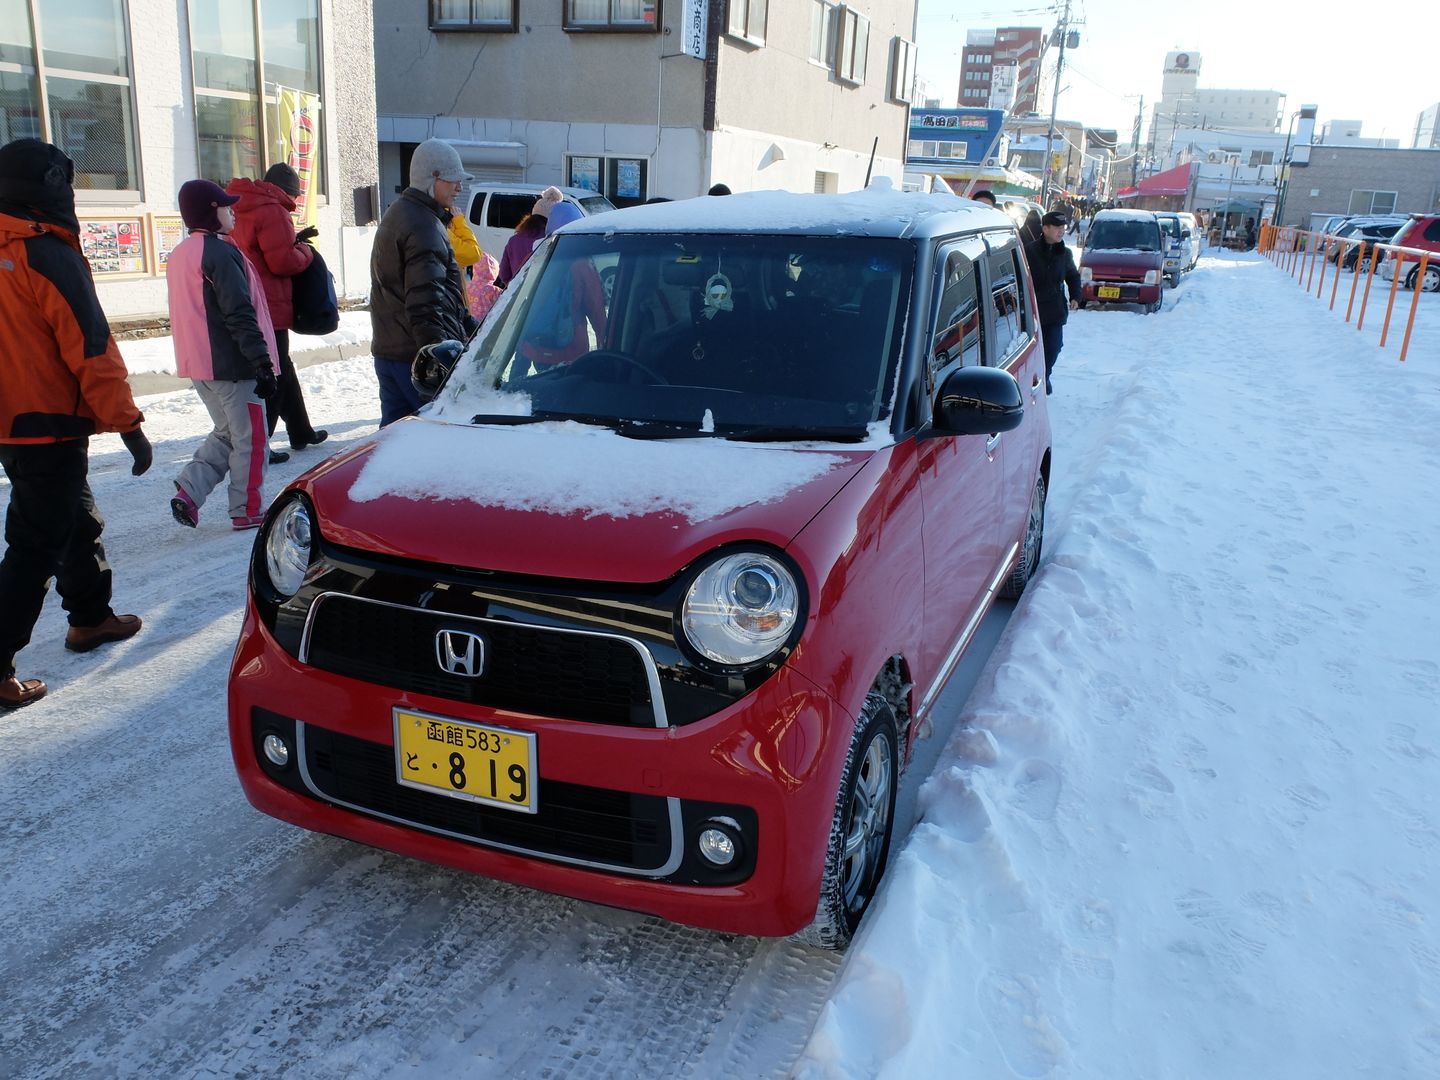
(1123,261)
(656,627)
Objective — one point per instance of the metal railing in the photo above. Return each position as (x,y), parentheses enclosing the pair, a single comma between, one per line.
(1296,251)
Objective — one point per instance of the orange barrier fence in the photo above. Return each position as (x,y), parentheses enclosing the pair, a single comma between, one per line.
(1297,251)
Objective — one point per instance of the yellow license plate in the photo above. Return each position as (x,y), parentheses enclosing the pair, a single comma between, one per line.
(1109,292)
(474,762)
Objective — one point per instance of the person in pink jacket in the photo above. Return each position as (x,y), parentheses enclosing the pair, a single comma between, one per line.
(265,232)
(225,346)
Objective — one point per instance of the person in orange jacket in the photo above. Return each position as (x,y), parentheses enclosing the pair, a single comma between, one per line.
(61,381)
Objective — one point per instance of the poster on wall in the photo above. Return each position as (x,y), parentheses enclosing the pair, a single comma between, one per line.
(627,178)
(166,232)
(114,245)
(585,173)
(300,145)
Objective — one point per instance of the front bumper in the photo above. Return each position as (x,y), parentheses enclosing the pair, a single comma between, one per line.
(770,764)
(1129,292)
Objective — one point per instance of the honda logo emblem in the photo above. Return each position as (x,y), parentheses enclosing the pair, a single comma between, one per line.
(459,652)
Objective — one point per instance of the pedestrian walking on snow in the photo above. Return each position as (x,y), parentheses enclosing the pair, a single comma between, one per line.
(225,346)
(1052,271)
(265,232)
(417,295)
(61,381)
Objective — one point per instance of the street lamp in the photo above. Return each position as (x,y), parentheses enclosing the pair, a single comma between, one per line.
(1284,170)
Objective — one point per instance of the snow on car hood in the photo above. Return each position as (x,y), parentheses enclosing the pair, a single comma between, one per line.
(570,500)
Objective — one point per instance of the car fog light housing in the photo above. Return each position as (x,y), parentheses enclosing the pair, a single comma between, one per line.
(741,608)
(1152,277)
(719,843)
(288,547)
(277,750)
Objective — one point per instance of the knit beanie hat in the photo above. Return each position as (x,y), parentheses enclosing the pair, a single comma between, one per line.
(562,215)
(198,202)
(549,199)
(285,178)
(435,159)
(37,176)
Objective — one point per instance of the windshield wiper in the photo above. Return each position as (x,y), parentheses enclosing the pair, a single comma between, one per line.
(510,419)
(798,434)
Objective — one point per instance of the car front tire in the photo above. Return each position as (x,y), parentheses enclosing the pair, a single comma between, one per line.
(1030,545)
(860,832)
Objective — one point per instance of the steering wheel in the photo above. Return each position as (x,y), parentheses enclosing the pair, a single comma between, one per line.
(596,357)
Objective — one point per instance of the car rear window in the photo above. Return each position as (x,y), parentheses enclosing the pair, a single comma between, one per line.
(506,210)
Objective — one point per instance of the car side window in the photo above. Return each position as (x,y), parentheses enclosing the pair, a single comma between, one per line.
(956,336)
(1006,303)
(1432,231)
(506,210)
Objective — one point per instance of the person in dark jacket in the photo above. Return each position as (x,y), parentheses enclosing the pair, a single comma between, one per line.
(225,346)
(61,381)
(417,296)
(1052,270)
(265,232)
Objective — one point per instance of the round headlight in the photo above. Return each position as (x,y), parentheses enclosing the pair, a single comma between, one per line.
(741,608)
(287,548)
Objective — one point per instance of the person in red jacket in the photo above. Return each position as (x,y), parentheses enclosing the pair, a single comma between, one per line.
(265,232)
(61,381)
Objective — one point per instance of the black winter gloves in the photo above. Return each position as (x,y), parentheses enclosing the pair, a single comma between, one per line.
(307,233)
(139,447)
(266,387)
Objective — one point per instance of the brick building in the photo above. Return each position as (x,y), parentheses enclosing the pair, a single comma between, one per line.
(1360,180)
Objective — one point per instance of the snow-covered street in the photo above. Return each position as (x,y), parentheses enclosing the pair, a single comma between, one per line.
(1183,825)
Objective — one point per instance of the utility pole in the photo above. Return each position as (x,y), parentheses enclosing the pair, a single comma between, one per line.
(1055,107)
(1135,142)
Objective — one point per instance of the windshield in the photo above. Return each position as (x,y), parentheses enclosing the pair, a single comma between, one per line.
(1123,234)
(784,337)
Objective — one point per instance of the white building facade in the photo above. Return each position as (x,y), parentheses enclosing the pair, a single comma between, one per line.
(252,82)
(649,98)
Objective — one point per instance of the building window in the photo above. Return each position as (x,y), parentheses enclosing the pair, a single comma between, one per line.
(823,16)
(1372,202)
(747,20)
(902,70)
(485,15)
(69,83)
(611,15)
(625,181)
(854,46)
(1262,157)
(255,109)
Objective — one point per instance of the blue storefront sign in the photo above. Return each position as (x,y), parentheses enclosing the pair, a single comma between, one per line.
(974,130)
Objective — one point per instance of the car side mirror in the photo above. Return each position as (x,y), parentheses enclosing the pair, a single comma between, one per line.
(978,401)
(1184,234)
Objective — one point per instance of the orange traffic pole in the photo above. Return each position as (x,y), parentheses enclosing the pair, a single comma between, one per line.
(1335,286)
(1374,261)
(1313,253)
(1394,285)
(1414,302)
(1324,265)
(1355,281)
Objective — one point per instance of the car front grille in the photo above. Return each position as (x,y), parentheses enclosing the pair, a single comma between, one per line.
(596,827)
(543,671)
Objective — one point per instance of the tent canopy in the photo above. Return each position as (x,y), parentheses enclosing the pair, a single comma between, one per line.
(1237,206)
(1174,181)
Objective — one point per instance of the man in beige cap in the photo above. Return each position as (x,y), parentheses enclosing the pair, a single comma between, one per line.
(417,294)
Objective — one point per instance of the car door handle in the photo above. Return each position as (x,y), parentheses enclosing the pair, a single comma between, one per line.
(991,443)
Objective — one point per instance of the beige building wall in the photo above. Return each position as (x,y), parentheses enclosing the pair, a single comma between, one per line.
(517,103)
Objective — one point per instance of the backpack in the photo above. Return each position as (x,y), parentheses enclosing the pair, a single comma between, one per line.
(552,318)
(312,291)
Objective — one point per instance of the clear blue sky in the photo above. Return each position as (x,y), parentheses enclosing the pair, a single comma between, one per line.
(1306,53)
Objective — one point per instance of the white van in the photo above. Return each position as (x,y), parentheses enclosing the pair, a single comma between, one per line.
(495,207)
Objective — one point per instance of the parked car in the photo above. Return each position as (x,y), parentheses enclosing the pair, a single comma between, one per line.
(1018,208)
(1363,227)
(1197,237)
(1179,246)
(657,627)
(495,207)
(1421,232)
(1123,260)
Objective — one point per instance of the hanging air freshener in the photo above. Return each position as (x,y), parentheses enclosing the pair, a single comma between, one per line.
(717,295)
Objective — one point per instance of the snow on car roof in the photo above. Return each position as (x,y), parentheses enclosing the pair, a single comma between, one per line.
(878,210)
(1126,215)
